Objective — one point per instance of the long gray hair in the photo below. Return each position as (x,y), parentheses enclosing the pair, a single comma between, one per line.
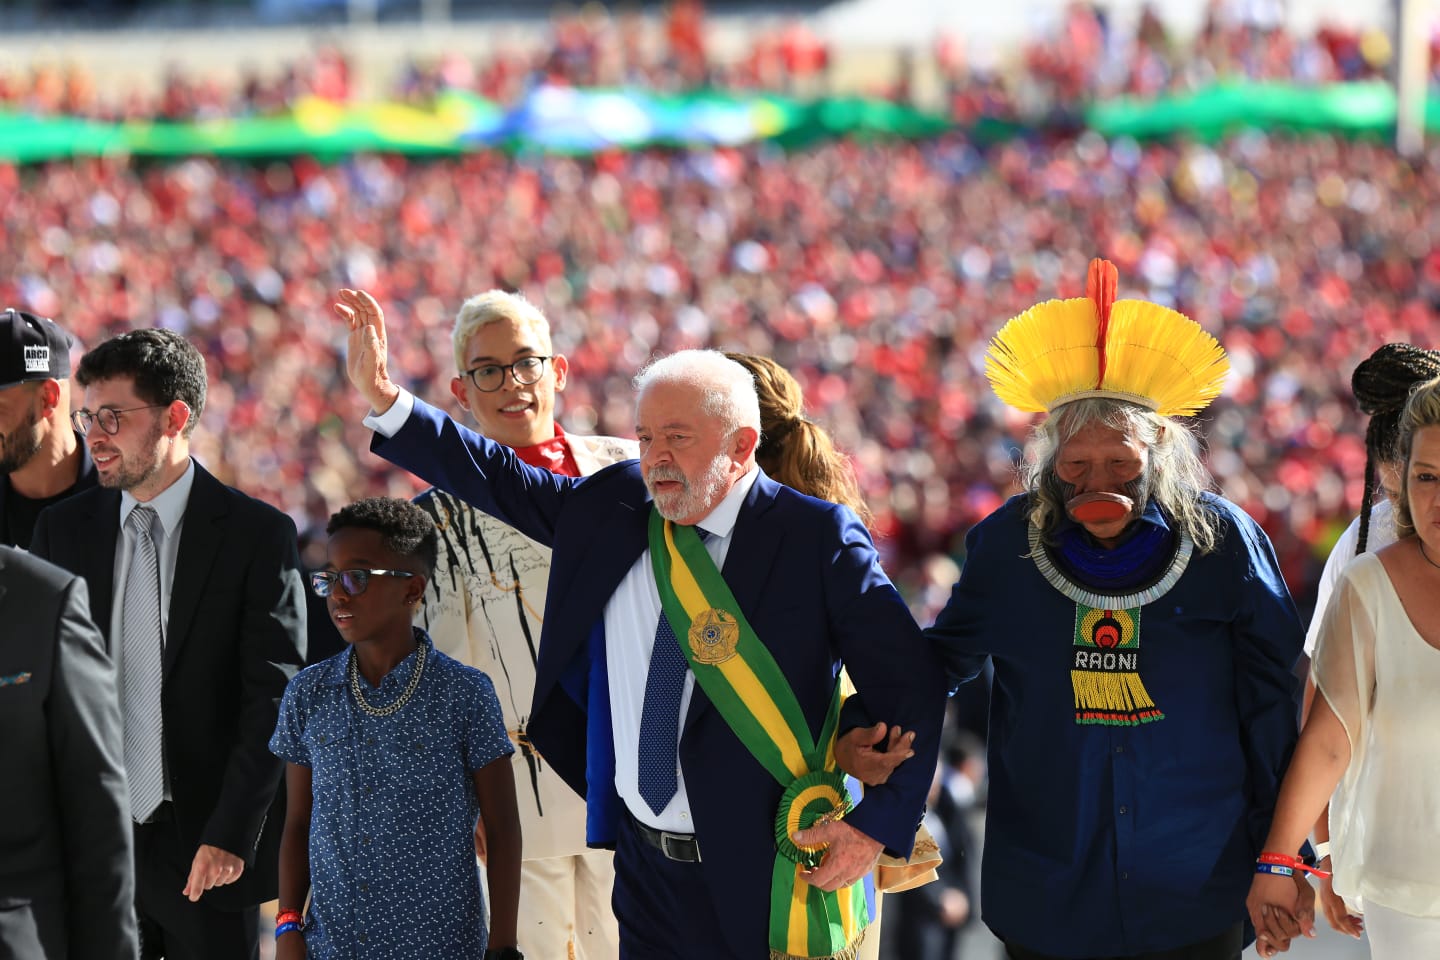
(1174,479)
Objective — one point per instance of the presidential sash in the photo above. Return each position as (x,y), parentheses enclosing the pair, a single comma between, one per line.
(743,681)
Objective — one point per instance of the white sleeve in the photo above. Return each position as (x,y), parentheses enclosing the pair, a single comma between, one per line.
(388,424)
(1340,555)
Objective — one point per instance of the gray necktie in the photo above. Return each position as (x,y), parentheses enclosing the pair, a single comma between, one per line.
(143,666)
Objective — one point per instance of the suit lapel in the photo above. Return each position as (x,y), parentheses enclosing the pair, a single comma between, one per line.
(747,566)
(200,543)
(101,533)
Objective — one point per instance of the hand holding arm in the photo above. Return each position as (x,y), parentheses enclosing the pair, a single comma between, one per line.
(868,755)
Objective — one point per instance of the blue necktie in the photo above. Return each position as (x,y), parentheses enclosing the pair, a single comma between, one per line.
(660,717)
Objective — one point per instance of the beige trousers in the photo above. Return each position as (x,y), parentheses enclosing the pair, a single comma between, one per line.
(565,908)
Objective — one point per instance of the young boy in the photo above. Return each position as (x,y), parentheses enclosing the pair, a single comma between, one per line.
(392,750)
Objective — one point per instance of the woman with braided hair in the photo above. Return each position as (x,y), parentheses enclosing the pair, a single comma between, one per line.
(1382,383)
(1369,746)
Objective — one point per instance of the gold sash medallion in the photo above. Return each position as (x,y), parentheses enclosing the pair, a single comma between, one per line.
(714,635)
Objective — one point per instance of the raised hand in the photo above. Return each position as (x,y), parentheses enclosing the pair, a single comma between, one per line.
(365,355)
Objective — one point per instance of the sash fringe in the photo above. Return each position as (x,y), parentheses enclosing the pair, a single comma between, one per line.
(849,953)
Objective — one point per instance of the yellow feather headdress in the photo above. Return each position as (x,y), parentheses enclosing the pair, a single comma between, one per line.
(1096,346)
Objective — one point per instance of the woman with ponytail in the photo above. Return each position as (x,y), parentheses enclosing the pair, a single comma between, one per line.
(793,450)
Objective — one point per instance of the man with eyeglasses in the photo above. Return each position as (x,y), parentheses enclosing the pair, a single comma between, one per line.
(197,589)
(42,461)
(484,609)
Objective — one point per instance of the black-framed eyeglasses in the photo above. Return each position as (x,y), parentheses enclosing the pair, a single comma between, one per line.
(107,418)
(490,377)
(353,582)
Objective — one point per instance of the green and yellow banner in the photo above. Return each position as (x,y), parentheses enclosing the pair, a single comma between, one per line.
(743,681)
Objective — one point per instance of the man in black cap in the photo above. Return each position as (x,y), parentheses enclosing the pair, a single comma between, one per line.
(42,460)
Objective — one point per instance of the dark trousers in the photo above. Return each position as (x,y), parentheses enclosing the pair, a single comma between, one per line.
(663,906)
(170,925)
(1227,946)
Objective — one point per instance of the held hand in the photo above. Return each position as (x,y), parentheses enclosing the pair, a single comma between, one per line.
(849,854)
(1281,908)
(870,755)
(1337,914)
(212,867)
(290,946)
(365,355)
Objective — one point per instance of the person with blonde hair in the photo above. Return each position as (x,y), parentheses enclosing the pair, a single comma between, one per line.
(793,449)
(484,608)
(1382,383)
(1369,738)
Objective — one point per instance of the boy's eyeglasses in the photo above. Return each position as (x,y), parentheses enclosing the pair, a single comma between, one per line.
(353,582)
(491,376)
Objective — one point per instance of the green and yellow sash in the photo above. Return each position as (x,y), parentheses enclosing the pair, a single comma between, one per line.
(742,680)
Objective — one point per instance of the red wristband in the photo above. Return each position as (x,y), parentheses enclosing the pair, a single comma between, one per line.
(288,916)
(1295,863)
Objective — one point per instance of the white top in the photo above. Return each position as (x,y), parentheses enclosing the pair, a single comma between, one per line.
(630,618)
(485,608)
(1382,534)
(1382,679)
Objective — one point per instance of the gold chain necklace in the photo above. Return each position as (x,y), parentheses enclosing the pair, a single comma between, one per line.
(404,698)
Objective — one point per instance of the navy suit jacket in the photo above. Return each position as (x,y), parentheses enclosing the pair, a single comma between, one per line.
(807,578)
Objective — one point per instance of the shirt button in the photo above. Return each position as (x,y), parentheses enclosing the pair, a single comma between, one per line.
(365,841)
(368,790)
(369,741)
(1124,810)
(1124,876)
(364,887)
(361,936)
(1119,749)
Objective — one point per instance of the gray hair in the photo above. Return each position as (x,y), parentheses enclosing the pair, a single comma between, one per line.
(1176,476)
(728,389)
(493,306)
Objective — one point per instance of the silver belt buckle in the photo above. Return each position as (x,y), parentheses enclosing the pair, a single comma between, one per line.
(666,838)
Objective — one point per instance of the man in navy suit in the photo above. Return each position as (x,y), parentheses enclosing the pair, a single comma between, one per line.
(696,851)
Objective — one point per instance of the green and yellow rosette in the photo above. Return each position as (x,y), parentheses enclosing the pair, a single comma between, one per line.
(743,681)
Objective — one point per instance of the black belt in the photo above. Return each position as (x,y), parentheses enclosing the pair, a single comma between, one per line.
(165,813)
(676,846)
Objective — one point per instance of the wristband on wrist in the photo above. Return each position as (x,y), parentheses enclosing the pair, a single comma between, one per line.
(284,928)
(1285,865)
(289,916)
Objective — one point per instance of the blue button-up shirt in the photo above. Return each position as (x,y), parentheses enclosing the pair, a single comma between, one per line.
(392,859)
(1115,840)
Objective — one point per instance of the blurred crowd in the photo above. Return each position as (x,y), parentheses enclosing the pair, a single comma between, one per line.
(874,271)
(1083,58)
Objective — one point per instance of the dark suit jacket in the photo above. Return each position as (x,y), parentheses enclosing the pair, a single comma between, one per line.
(807,578)
(67,882)
(236,636)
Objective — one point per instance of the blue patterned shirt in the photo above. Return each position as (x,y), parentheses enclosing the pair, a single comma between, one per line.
(392,862)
